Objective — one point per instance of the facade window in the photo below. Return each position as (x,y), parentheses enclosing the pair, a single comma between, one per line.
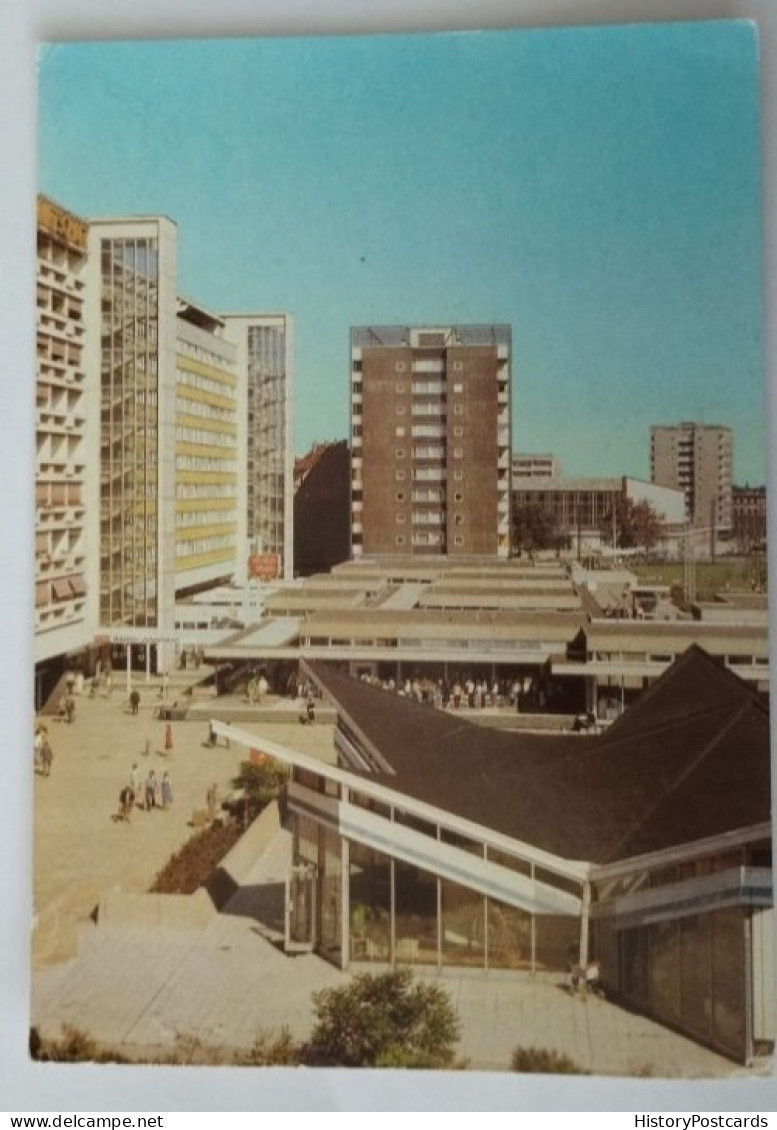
(458,453)
(399,539)
(458,431)
(458,496)
(400,431)
(400,409)
(458,367)
(458,409)
(400,519)
(400,496)
(399,366)
(399,453)
(458,386)
(400,387)
(399,475)
(458,540)
(459,519)
(458,474)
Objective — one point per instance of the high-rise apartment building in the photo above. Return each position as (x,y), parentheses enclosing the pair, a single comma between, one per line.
(62,593)
(697,459)
(264,353)
(430,440)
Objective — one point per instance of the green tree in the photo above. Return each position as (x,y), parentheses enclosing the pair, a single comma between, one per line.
(637,525)
(384,1020)
(534,528)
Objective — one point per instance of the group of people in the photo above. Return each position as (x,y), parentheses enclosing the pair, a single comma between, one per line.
(518,693)
(152,792)
(191,657)
(257,688)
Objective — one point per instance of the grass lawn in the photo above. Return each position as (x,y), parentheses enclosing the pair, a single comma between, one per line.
(736,574)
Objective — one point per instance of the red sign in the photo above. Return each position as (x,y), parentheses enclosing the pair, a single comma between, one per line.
(264,566)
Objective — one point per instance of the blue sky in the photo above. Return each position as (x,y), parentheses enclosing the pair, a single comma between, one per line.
(598,189)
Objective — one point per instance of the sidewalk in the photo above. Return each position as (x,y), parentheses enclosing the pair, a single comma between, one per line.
(80,851)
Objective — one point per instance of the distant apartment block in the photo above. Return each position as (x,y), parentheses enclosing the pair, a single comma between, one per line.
(265,356)
(430,440)
(62,460)
(529,466)
(697,459)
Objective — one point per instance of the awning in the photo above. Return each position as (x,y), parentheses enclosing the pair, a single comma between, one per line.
(77,585)
(62,590)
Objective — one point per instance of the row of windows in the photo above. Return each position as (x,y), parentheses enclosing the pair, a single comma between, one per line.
(204,518)
(203,463)
(204,490)
(204,436)
(429,451)
(204,545)
(207,411)
(205,384)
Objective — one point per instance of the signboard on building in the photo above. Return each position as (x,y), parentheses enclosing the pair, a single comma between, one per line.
(64,225)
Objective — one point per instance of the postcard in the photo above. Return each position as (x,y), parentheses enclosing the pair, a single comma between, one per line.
(401,612)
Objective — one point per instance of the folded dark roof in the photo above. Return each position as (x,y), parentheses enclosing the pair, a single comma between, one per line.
(689,760)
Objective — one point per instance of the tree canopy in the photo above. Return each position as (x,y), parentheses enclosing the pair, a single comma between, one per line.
(637,525)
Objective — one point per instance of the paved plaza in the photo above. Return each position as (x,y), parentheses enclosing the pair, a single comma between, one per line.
(219,984)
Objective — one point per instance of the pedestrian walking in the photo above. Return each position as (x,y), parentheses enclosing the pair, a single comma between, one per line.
(167,790)
(168,738)
(212,801)
(70,708)
(150,790)
(212,739)
(135,779)
(134,701)
(126,803)
(46,757)
(164,685)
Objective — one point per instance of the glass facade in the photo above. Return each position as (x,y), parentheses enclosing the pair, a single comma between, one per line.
(129,431)
(266,440)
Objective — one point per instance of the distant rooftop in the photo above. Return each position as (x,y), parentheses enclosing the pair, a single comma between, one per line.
(429,337)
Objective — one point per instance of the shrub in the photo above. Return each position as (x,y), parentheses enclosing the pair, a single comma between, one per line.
(383,1020)
(544,1061)
(273,1049)
(261,783)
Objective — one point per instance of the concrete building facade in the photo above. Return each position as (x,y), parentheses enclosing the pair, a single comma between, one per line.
(208,495)
(697,459)
(63,595)
(535,466)
(430,440)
